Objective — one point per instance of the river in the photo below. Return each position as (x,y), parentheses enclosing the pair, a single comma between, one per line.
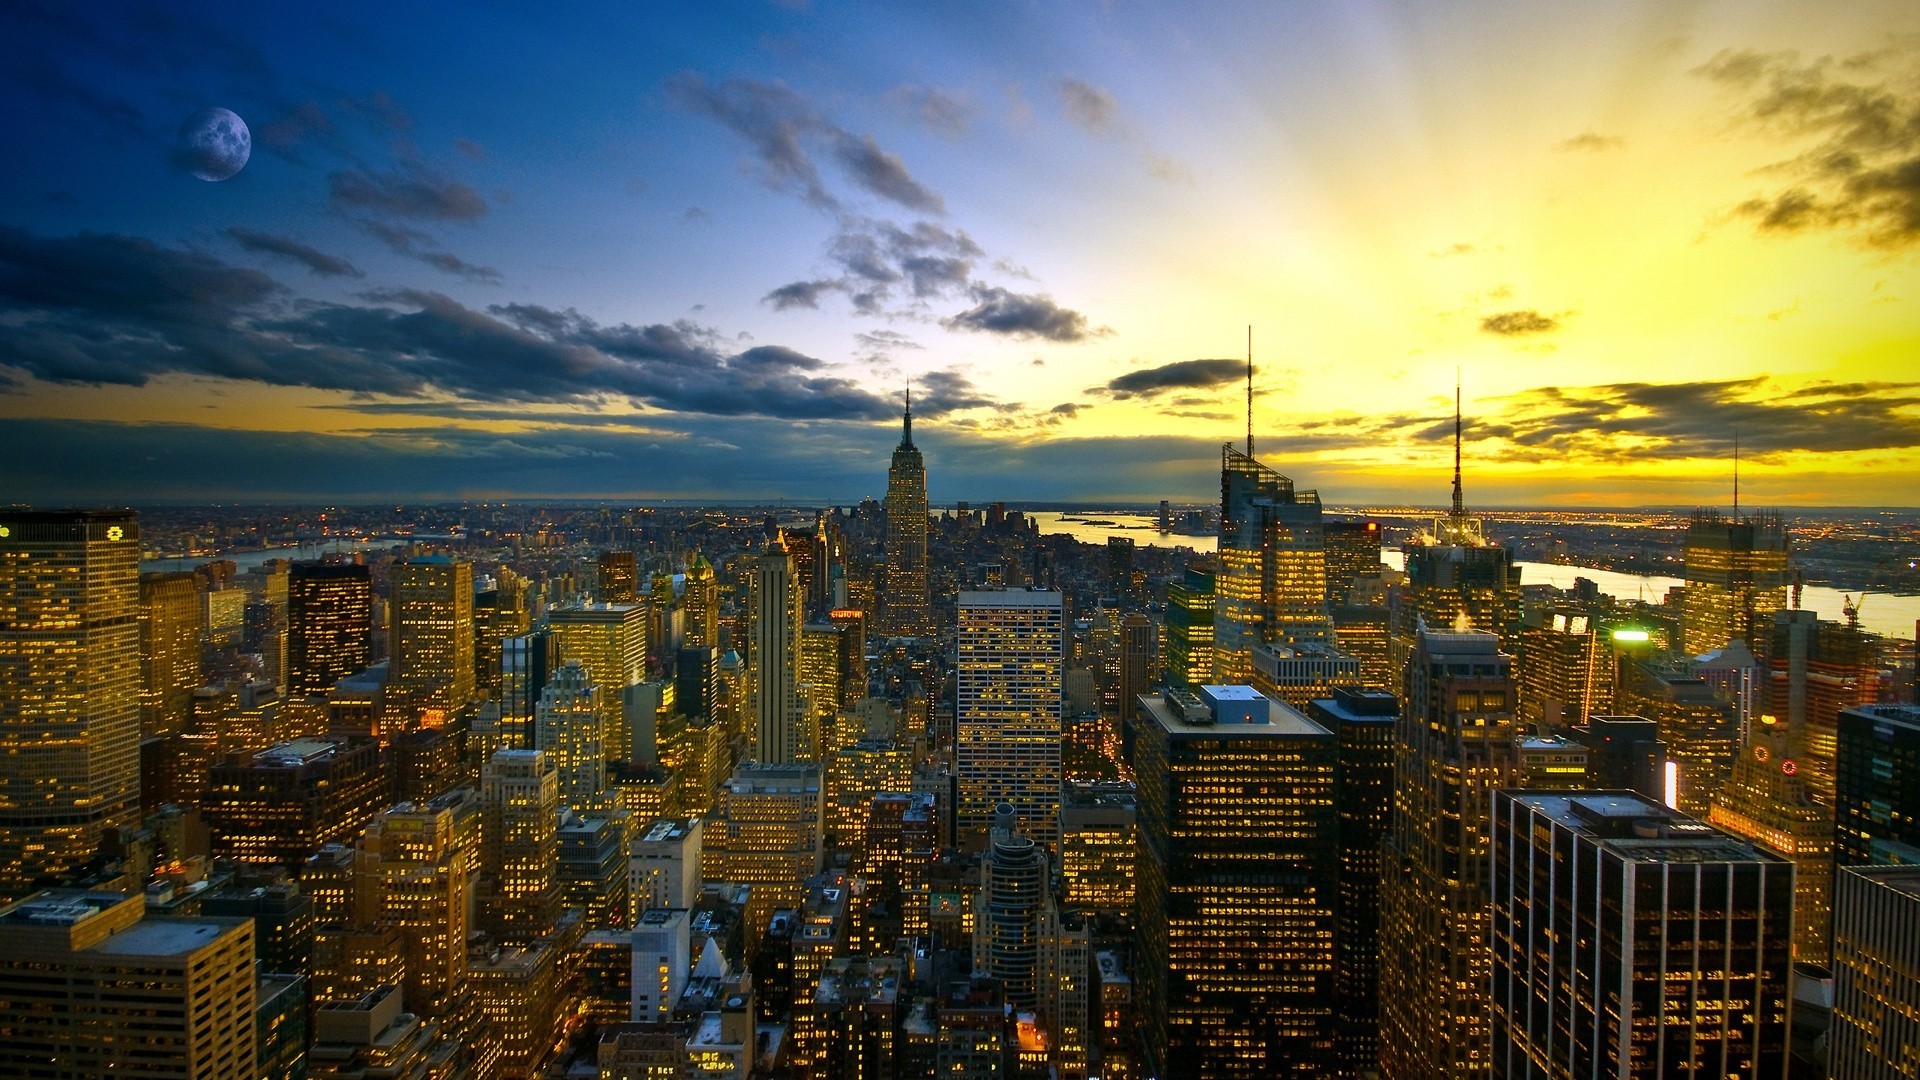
(1888,614)
(252,560)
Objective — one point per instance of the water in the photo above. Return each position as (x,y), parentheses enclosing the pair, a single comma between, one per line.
(253,560)
(1888,614)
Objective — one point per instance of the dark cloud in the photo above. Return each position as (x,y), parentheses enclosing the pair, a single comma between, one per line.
(411,191)
(1179,375)
(415,244)
(285,135)
(1091,109)
(381,112)
(784,129)
(1852,127)
(1518,323)
(1592,141)
(473,150)
(1022,315)
(799,294)
(115,309)
(935,109)
(288,248)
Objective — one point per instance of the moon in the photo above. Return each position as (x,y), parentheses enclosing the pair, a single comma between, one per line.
(215,144)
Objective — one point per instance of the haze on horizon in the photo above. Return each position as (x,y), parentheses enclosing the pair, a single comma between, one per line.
(688,254)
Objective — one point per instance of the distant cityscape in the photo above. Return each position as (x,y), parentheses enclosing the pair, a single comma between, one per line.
(504,790)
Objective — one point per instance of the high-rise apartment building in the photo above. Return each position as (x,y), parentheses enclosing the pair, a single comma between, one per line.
(780,722)
(570,729)
(520,808)
(1736,578)
(1271,585)
(610,641)
(1008,709)
(89,988)
(906,606)
(169,651)
(1877,794)
(432,641)
(1455,744)
(1189,652)
(1632,941)
(1876,968)
(1006,931)
(329,625)
(69,688)
(1238,886)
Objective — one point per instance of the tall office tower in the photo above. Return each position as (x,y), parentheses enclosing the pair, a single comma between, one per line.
(520,808)
(696,680)
(702,603)
(593,866)
(1138,638)
(283,804)
(772,665)
(431,674)
(69,688)
(1766,802)
(829,563)
(1271,585)
(906,609)
(806,567)
(1876,967)
(1566,672)
(663,866)
(765,833)
(1631,941)
(1099,845)
(1238,886)
(420,874)
(1189,658)
(1624,752)
(526,662)
(329,625)
(820,679)
(499,614)
(89,988)
(1008,709)
(1363,723)
(1366,634)
(854,774)
(1454,745)
(1456,578)
(1818,668)
(1353,553)
(169,651)
(1736,578)
(570,729)
(1120,551)
(1297,674)
(619,578)
(1700,729)
(610,641)
(1006,926)
(1877,794)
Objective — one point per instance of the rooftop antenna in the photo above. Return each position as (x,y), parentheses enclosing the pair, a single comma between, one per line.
(1249,389)
(907,427)
(1459,500)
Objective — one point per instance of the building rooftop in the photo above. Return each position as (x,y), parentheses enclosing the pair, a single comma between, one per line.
(1281,720)
(169,937)
(1902,879)
(999,598)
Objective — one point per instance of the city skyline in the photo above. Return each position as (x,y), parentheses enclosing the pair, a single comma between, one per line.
(702,255)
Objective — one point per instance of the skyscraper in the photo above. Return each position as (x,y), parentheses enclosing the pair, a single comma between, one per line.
(1008,709)
(765,833)
(702,603)
(1238,886)
(1353,552)
(1766,802)
(420,874)
(1876,967)
(329,625)
(1271,585)
(906,609)
(520,807)
(1566,672)
(1818,668)
(570,729)
(1189,652)
(1877,797)
(1632,941)
(610,641)
(169,651)
(432,641)
(1736,578)
(619,578)
(772,665)
(1454,746)
(69,688)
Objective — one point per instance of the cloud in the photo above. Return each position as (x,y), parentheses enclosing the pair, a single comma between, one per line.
(473,150)
(1592,141)
(287,248)
(944,114)
(1091,109)
(415,244)
(1179,375)
(285,134)
(411,191)
(113,309)
(1850,127)
(1518,323)
(799,294)
(781,125)
(1022,315)
(1459,248)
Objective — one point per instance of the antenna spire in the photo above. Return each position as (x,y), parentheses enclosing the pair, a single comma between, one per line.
(1249,389)
(1459,499)
(906,437)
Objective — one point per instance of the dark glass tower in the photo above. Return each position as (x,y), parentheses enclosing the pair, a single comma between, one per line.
(905,607)
(329,625)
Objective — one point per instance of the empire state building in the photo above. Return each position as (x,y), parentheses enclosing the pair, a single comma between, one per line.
(904,608)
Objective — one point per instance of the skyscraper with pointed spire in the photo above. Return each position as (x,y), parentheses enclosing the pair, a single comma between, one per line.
(905,609)
(1457,579)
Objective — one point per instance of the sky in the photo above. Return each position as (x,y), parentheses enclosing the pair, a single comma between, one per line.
(686,252)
